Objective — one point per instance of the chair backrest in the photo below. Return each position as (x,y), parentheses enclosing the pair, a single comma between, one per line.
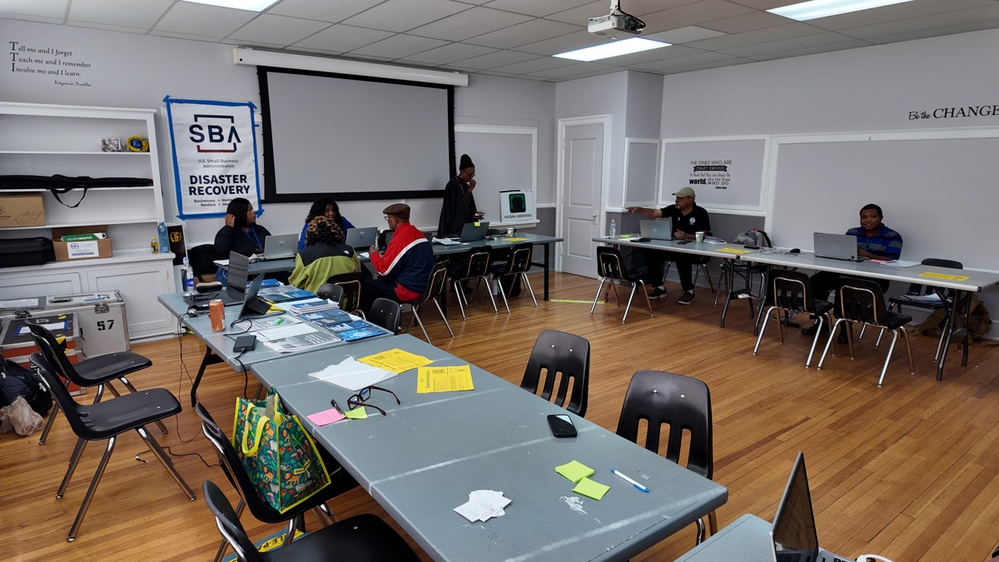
(330,291)
(917,289)
(610,265)
(351,283)
(520,258)
(202,258)
(435,283)
(385,313)
(562,356)
(50,348)
(477,265)
(792,290)
(74,411)
(228,523)
(861,300)
(680,402)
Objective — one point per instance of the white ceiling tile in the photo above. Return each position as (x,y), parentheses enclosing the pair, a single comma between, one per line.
(206,21)
(403,15)
(35,10)
(564,43)
(277,30)
(684,35)
(789,44)
(342,38)
(493,60)
(469,23)
(125,13)
(538,8)
(523,34)
(450,53)
(398,46)
(322,10)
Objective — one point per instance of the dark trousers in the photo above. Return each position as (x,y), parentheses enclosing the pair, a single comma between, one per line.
(654,260)
(825,282)
(374,288)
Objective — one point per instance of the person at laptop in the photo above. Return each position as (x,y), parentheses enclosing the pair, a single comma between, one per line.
(687,220)
(241,234)
(327,207)
(324,255)
(404,267)
(459,203)
(874,241)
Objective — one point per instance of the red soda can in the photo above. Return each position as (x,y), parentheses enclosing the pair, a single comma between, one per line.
(216,313)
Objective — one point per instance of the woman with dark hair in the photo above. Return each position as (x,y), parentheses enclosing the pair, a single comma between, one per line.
(241,234)
(459,203)
(323,207)
(324,255)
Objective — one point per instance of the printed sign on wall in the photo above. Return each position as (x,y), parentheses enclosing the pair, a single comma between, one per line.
(214,155)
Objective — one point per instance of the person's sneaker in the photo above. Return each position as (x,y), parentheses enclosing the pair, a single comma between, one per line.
(657,293)
(686,298)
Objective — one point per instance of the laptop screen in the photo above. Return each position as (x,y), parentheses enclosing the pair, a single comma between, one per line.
(835,246)
(239,271)
(361,237)
(794,524)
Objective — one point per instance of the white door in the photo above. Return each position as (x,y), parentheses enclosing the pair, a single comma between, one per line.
(582,182)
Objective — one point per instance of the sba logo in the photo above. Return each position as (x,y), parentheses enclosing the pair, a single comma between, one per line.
(214,133)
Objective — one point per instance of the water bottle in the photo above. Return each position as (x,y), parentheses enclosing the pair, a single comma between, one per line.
(613,229)
(164,242)
(187,277)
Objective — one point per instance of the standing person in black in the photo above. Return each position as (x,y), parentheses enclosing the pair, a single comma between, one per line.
(459,203)
(241,234)
(688,219)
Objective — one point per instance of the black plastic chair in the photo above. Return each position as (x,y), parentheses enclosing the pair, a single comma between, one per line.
(563,358)
(435,288)
(916,295)
(95,372)
(476,269)
(516,267)
(232,466)
(361,538)
(202,260)
(351,300)
(386,313)
(860,301)
(610,269)
(105,421)
(791,293)
(330,291)
(684,405)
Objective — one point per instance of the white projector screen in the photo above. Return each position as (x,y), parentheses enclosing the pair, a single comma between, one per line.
(353,138)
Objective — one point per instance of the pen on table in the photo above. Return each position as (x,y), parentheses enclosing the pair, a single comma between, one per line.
(630,481)
(335,405)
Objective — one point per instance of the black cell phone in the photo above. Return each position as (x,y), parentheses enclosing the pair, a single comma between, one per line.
(244,343)
(561,425)
(682,242)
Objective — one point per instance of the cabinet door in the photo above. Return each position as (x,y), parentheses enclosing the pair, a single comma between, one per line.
(139,286)
(36,284)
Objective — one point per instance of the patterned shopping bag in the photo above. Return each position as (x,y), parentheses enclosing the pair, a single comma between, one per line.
(277,452)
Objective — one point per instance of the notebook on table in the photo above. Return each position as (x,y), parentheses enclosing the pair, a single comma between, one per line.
(361,238)
(279,246)
(474,231)
(656,230)
(793,532)
(835,246)
(235,290)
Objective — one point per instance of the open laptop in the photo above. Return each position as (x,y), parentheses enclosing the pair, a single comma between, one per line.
(793,532)
(361,238)
(235,289)
(252,304)
(656,230)
(835,246)
(278,246)
(474,231)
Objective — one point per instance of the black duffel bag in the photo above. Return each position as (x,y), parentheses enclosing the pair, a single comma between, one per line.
(16,381)
(18,252)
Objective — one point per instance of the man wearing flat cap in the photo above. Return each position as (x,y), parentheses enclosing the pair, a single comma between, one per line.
(459,203)
(405,266)
(688,219)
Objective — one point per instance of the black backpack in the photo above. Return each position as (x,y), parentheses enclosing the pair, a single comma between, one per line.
(16,381)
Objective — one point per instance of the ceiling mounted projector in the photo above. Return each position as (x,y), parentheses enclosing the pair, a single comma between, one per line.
(616,25)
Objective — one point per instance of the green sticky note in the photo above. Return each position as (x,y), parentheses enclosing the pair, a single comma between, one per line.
(357,413)
(574,471)
(591,489)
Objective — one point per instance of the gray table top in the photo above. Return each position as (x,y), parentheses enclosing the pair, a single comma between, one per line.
(725,251)
(423,458)
(746,539)
(496,242)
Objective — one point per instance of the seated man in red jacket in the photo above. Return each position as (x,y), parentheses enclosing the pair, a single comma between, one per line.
(405,266)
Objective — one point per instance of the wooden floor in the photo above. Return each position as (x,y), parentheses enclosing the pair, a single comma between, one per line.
(908,471)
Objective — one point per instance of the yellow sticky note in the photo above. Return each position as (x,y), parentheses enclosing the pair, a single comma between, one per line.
(946,276)
(574,471)
(395,360)
(591,489)
(515,239)
(738,251)
(358,413)
(444,379)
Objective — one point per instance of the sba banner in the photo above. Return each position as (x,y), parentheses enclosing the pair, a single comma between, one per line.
(214,155)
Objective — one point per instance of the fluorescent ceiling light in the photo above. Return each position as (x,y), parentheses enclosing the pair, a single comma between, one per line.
(612,49)
(824,8)
(251,5)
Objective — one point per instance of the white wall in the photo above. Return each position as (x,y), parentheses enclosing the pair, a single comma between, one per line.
(127,70)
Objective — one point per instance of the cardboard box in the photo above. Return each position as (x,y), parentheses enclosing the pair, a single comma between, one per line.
(21,209)
(65,251)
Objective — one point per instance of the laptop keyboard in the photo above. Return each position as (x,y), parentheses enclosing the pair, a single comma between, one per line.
(204,298)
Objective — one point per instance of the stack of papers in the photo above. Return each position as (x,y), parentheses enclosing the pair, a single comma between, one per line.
(483,505)
(446,241)
(284,294)
(444,379)
(352,374)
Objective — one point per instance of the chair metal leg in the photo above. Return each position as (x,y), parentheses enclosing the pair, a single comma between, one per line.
(443,317)
(420,322)
(628,307)
(167,463)
(595,297)
(523,277)
(90,491)
(48,424)
(763,329)
(700,530)
(460,293)
(506,303)
(489,292)
(74,460)
(815,340)
(645,292)
(832,336)
(891,347)
(908,350)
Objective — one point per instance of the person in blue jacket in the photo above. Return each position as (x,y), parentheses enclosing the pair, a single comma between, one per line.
(327,207)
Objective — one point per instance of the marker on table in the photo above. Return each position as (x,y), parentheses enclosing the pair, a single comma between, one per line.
(630,481)
(278,321)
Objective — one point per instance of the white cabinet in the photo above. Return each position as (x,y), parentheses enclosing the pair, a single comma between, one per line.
(46,140)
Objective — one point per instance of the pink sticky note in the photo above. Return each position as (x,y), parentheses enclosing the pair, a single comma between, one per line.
(326,417)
